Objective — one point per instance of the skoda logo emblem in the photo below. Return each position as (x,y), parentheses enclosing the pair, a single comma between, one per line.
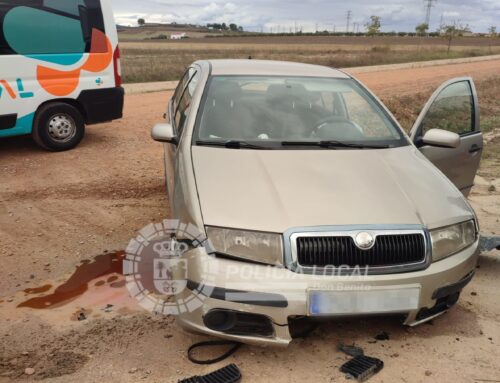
(364,240)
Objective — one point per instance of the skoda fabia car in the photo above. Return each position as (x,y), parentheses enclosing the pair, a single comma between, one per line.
(315,201)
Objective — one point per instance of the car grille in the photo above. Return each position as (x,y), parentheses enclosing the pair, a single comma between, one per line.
(389,250)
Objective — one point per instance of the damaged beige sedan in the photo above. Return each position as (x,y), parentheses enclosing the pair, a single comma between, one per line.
(316,202)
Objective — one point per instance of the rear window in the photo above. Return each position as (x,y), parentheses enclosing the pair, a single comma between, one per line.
(41,27)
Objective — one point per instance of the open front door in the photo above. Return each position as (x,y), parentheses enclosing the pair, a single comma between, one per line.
(454,108)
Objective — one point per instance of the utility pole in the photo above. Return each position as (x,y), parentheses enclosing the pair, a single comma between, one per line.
(429,5)
(349,16)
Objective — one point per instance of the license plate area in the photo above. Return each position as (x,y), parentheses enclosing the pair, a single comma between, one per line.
(366,301)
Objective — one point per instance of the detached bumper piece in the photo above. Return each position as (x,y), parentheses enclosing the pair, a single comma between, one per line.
(362,368)
(228,374)
(238,323)
(445,297)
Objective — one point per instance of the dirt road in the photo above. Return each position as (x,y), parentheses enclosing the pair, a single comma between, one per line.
(59,211)
(407,81)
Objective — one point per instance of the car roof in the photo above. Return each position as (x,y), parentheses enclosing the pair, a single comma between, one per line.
(271,68)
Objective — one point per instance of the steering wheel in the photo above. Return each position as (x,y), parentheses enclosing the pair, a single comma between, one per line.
(329,120)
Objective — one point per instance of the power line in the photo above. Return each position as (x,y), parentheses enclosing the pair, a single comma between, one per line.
(349,16)
(430,4)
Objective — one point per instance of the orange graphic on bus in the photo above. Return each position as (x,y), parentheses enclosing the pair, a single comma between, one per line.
(62,83)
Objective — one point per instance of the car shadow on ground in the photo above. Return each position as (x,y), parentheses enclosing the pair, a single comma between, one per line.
(26,144)
(18,144)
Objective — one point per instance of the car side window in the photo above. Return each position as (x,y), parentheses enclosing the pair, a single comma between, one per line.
(184,103)
(453,110)
(180,88)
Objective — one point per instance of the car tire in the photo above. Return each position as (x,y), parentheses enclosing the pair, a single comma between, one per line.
(58,127)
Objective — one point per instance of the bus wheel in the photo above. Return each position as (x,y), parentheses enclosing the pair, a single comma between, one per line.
(58,127)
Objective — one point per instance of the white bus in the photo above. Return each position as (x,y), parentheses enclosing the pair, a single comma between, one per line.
(59,69)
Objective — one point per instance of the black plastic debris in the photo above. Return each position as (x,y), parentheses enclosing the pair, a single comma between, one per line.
(382,336)
(108,308)
(362,368)
(489,243)
(351,350)
(81,316)
(229,374)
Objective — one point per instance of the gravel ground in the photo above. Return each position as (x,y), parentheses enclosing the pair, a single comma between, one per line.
(59,211)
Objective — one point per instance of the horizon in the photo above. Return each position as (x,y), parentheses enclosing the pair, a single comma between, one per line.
(311,15)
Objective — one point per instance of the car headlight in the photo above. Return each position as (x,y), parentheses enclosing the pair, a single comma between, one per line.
(250,245)
(449,240)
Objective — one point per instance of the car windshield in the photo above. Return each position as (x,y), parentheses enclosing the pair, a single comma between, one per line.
(270,112)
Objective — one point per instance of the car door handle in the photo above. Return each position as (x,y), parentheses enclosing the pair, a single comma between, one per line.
(474,148)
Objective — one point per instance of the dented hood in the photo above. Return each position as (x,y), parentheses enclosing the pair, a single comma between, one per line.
(276,190)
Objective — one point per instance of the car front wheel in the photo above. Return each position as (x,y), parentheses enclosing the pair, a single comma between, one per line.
(58,127)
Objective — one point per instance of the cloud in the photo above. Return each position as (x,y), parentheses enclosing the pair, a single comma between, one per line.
(398,15)
(451,14)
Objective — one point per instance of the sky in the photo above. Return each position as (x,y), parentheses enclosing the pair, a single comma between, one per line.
(286,15)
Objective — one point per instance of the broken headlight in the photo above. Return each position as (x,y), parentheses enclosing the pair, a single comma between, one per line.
(250,245)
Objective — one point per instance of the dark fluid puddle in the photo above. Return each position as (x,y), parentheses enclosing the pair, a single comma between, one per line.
(78,283)
(38,290)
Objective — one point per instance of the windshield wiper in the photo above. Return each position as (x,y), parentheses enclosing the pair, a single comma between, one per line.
(231,144)
(333,144)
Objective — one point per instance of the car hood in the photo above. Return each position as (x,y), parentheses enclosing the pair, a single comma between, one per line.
(276,190)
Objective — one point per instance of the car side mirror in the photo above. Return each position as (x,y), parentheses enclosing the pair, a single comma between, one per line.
(164,133)
(441,138)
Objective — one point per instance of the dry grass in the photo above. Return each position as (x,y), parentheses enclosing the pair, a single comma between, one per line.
(163,61)
(407,108)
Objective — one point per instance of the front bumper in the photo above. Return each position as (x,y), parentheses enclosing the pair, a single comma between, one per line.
(280,294)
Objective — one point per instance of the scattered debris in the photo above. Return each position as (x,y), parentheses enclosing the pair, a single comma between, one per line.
(473,293)
(228,374)
(362,368)
(133,370)
(489,243)
(29,371)
(382,336)
(351,350)
(82,316)
(108,308)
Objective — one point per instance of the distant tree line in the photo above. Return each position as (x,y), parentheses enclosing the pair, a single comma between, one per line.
(328,33)
(225,27)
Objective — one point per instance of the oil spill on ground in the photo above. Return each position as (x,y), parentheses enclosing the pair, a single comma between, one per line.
(78,283)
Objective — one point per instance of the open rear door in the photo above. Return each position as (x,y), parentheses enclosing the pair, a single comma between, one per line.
(453,107)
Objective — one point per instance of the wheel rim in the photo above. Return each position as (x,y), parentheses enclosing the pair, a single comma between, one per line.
(62,128)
